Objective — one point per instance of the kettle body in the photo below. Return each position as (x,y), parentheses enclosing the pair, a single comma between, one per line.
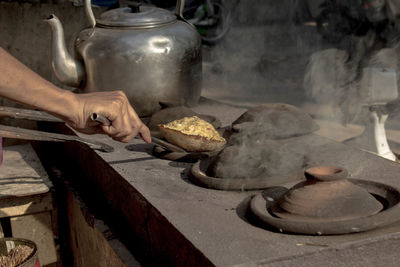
(149,54)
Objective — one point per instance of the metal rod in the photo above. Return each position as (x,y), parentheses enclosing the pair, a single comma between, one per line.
(27,114)
(28,134)
(101,119)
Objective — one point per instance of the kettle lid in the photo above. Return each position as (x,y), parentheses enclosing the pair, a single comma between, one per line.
(136,16)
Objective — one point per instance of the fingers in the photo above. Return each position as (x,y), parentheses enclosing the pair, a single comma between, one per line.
(145,134)
(115,106)
(143,131)
(121,129)
(125,126)
(127,136)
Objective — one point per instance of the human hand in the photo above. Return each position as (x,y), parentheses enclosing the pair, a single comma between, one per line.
(115,106)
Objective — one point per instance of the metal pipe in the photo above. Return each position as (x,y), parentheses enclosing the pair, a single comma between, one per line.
(101,119)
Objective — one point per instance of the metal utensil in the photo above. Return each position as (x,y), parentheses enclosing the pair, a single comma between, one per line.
(28,114)
(103,120)
(27,134)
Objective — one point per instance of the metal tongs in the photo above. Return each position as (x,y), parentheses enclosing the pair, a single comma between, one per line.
(27,134)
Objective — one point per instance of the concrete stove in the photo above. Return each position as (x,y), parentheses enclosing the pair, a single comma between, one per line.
(171,221)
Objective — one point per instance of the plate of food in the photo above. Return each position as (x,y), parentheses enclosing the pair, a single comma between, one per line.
(195,138)
(173,113)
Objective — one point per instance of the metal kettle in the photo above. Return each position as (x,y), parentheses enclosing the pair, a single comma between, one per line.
(149,53)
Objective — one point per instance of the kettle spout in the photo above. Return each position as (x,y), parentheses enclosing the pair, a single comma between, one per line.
(67,69)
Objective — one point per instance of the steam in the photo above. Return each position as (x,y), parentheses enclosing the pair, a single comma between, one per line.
(386,58)
(271,55)
(330,79)
(261,59)
(276,53)
(267,143)
(259,158)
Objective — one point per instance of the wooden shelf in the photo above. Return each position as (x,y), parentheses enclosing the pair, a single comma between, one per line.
(26,200)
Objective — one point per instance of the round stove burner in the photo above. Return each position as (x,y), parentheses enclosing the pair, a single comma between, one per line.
(328,200)
(164,153)
(199,176)
(266,208)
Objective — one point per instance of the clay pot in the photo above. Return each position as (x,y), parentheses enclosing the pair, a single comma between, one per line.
(326,195)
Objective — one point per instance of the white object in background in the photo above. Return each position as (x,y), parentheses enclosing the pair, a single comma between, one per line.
(382,146)
(378,86)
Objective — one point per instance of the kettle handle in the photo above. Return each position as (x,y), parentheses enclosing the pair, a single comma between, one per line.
(89,13)
(180,4)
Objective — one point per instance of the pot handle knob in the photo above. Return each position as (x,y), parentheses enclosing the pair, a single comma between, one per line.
(135,7)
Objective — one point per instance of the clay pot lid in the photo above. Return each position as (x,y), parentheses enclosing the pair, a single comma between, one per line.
(325,173)
(326,195)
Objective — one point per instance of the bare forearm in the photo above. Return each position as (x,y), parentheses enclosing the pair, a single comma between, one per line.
(19,83)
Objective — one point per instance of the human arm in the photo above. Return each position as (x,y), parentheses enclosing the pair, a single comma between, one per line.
(21,84)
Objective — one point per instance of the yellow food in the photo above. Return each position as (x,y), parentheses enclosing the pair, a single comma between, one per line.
(195,126)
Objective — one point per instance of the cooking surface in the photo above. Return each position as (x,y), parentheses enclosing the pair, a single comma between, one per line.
(213,220)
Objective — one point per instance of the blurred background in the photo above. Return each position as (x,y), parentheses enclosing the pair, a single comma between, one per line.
(307,53)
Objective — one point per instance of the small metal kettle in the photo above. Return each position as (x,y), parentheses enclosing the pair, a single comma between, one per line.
(149,53)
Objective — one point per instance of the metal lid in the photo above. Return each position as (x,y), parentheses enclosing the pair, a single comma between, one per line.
(136,16)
